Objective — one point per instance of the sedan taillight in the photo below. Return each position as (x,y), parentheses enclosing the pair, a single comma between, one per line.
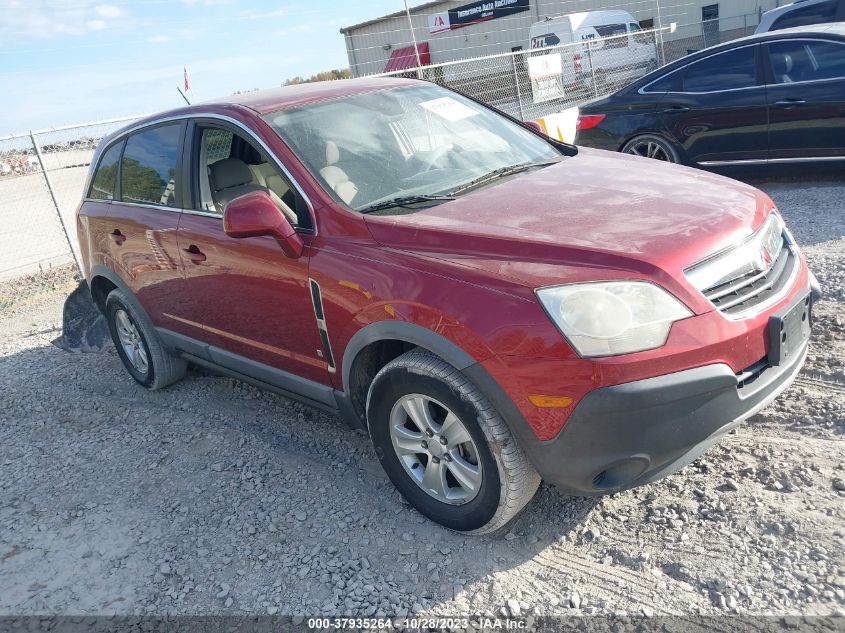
(589,121)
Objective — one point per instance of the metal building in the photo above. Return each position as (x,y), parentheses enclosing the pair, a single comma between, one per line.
(449,30)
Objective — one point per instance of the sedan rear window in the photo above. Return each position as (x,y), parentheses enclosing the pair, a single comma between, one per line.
(667,83)
(730,70)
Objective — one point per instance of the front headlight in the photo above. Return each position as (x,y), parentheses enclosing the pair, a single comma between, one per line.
(614,317)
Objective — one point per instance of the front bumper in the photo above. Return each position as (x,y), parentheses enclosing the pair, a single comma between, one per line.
(631,434)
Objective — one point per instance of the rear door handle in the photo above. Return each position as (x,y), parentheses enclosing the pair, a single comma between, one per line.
(790,103)
(117,237)
(676,110)
(195,254)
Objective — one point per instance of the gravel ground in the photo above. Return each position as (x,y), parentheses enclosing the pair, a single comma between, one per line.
(214,497)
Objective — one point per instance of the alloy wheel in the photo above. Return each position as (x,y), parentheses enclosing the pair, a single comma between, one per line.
(435,449)
(650,149)
(131,341)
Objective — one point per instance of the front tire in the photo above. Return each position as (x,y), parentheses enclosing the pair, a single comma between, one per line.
(654,147)
(444,446)
(139,345)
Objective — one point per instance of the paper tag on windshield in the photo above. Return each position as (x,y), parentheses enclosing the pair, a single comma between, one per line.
(449,109)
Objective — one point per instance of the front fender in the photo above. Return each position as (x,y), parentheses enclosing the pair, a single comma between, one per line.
(409,333)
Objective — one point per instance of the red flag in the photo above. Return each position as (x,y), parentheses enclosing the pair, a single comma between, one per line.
(187,81)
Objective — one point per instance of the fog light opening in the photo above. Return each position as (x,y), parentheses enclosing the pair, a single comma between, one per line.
(621,474)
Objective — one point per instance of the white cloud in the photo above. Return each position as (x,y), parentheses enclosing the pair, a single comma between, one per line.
(109,11)
(252,14)
(205,3)
(44,19)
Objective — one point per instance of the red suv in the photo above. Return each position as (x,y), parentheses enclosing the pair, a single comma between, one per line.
(493,307)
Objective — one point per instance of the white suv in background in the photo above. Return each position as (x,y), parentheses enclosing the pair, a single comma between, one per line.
(607,45)
(801,13)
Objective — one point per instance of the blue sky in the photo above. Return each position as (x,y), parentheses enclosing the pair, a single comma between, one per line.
(70,61)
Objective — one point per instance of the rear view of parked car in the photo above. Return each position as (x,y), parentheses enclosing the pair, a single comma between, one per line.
(772,98)
(802,13)
(624,56)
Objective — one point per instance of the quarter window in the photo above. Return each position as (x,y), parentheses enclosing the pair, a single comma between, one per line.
(726,71)
(148,173)
(794,61)
(105,178)
(667,83)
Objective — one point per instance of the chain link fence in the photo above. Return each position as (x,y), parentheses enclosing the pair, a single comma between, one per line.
(42,174)
(534,84)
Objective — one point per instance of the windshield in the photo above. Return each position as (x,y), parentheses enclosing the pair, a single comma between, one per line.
(403,142)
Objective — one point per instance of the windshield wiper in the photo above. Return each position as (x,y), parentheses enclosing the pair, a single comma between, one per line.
(501,173)
(404,201)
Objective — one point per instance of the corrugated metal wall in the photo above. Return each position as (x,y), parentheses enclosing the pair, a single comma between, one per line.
(369,46)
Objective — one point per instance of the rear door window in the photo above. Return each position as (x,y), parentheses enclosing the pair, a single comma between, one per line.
(804,60)
(149,169)
(730,70)
(105,178)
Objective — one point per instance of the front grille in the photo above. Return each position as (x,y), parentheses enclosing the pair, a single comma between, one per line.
(738,295)
(749,275)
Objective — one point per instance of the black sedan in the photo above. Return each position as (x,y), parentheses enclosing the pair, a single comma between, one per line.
(770,98)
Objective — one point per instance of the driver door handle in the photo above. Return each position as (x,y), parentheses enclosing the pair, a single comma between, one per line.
(117,237)
(790,103)
(195,254)
(676,110)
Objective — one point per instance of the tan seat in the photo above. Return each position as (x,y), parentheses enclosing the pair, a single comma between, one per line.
(261,172)
(232,178)
(335,177)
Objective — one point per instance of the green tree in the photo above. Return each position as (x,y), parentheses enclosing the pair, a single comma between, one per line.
(326,75)
(141,183)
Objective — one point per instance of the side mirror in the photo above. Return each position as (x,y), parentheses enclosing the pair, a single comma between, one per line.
(255,214)
(534,127)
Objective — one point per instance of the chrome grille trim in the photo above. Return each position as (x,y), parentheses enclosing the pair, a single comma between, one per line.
(747,278)
(772,276)
(736,286)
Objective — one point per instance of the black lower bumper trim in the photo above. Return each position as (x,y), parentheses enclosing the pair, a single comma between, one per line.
(628,435)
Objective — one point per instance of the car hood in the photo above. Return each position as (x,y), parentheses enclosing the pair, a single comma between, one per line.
(596,209)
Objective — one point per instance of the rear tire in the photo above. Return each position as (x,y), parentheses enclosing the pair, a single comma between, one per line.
(654,147)
(139,345)
(483,477)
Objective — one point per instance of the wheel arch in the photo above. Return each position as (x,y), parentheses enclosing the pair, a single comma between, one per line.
(103,281)
(378,343)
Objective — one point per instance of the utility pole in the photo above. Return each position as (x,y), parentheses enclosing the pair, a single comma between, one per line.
(413,36)
(660,32)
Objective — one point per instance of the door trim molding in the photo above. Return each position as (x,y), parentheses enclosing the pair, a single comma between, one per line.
(289,384)
(776,161)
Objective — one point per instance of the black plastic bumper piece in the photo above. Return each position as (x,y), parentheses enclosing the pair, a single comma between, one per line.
(628,435)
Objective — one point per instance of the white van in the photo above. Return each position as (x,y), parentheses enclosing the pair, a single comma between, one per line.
(622,58)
